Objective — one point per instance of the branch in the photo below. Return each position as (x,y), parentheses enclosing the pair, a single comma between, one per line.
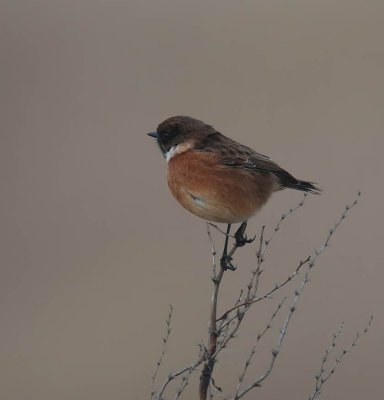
(321,378)
(269,293)
(184,383)
(262,251)
(220,230)
(174,375)
(282,219)
(165,341)
(276,350)
(254,348)
(206,373)
(241,308)
(213,250)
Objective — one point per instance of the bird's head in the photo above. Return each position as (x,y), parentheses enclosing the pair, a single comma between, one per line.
(180,129)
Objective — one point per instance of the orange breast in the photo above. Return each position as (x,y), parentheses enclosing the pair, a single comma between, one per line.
(216,192)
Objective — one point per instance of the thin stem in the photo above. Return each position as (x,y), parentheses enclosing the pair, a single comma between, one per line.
(174,375)
(263,247)
(292,309)
(165,341)
(254,348)
(321,378)
(209,364)
(213,251)
(268,294)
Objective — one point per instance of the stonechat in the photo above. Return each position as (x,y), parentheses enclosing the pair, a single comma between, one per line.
(217,178)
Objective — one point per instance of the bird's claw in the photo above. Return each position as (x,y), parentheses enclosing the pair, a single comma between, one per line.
(242,240)
(226,263)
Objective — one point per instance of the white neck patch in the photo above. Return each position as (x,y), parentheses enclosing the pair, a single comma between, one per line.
(170,153)
(180,148)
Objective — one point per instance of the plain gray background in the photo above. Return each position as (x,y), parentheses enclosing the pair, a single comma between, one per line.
(94,247)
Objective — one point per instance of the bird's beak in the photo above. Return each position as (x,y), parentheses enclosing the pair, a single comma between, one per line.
(153,134)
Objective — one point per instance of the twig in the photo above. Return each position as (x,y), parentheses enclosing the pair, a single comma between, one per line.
(174,375)
(276,350)
(321,378)
(214,389)
(220,230)
(254,348)
(213,251)
(251,294)
(325,358)
(262,251)
(184,383)
(269,293)
(209,360)
(281,220)
(211,351)
(254,282)
(206,373)
(165,341)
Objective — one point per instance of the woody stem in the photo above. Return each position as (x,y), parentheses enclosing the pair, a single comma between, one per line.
(209,364)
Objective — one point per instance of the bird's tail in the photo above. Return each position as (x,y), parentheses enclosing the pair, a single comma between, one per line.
(304,186)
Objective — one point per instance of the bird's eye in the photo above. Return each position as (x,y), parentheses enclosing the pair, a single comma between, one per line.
(170,132)
(166,135)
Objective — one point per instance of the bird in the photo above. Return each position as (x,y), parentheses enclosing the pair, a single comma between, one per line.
(217,178)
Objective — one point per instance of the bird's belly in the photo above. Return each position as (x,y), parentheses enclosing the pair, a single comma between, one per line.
(216,192)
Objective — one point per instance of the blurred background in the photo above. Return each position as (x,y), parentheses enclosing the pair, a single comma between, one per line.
(93,246)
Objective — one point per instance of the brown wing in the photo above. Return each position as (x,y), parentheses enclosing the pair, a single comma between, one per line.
(228,148)
(236,155)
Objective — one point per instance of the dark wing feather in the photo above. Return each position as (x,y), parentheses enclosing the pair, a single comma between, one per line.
(236,155)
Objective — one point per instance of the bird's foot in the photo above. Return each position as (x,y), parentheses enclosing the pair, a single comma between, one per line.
(226,263)
(241,237)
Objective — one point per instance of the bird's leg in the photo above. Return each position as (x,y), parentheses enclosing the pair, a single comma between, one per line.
(241,237)
(241,240)
(225,260)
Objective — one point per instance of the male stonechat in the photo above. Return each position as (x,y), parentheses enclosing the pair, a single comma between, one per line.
(216,178)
